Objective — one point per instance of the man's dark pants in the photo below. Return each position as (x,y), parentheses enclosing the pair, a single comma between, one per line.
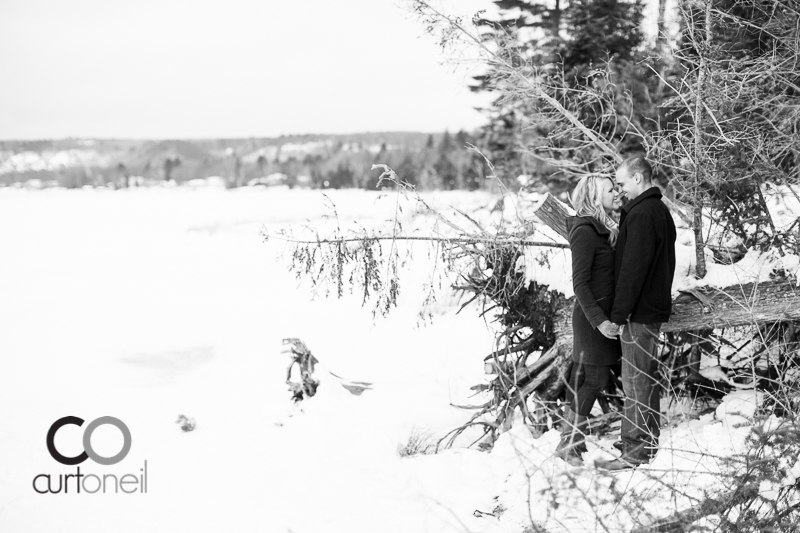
(642,411)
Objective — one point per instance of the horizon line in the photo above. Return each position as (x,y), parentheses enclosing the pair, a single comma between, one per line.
(81,138)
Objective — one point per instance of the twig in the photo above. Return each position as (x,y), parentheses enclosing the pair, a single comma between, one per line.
(454,240)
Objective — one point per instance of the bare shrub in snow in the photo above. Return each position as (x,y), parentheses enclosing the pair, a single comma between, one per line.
(419,442)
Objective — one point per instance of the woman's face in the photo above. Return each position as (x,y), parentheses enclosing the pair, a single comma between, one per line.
(609,198)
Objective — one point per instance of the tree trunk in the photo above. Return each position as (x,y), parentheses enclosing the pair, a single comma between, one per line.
(662,47)
(699,155)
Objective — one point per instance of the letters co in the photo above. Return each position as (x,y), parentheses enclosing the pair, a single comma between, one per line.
(87,440)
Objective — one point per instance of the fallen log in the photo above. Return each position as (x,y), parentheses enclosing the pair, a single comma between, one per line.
(751,303)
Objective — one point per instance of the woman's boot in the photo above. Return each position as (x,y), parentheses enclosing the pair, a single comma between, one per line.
(571,446)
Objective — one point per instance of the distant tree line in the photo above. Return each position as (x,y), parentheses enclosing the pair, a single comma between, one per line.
(444,164)
(442,161)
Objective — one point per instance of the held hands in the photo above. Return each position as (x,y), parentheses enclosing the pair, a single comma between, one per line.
(609,329)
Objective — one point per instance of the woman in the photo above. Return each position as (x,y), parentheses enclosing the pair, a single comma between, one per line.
(596,348)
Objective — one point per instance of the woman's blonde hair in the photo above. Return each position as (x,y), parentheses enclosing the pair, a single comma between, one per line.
(586,201)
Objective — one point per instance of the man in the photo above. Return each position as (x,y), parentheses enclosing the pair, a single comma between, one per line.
(643,271)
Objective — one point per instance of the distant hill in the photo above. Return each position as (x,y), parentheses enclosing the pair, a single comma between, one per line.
(18,158)
(344,160)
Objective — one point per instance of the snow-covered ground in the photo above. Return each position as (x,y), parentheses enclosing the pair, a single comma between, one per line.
(153,303)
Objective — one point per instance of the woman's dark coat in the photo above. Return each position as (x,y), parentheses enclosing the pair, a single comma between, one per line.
(593,282)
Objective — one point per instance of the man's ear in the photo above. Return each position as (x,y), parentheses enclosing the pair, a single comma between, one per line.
(638,177)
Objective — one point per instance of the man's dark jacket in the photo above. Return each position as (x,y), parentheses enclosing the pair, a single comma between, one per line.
(593,281)
(644,263)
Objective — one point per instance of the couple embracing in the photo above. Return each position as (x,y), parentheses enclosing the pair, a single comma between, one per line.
(622,277)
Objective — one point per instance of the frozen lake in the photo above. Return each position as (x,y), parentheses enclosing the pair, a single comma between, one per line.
(147,304)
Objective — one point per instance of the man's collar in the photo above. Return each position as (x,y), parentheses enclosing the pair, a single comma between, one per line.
(652,192)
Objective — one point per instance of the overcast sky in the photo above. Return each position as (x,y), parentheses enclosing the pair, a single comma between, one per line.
(232,68)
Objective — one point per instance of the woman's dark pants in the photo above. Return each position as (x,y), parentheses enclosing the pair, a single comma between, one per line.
(586,385)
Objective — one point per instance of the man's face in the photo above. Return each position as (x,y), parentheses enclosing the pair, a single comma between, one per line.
(629,185)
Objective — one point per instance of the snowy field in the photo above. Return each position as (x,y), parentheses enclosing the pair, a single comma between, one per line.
(148,304)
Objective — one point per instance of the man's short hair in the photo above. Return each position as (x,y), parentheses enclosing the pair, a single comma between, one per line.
(639,164)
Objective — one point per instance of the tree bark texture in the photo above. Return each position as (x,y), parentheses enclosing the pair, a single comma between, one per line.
(554,213)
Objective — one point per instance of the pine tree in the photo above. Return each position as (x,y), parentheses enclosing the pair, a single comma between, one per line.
(262,163)
(446,144)
(601,30)
(122,173)
(548,40)
(462,138)
(407,169)
(170,164)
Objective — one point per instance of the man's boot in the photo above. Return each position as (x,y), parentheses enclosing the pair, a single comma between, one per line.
(632,456)
(571,446)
